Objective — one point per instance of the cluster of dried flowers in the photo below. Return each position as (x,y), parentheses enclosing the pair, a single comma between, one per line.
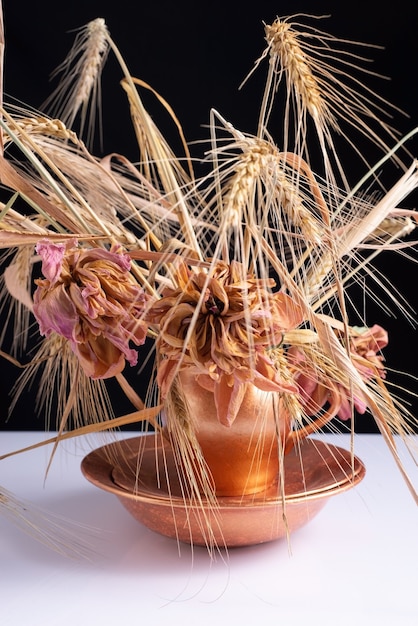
(223,327)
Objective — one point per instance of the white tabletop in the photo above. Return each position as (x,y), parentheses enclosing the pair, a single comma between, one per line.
(356,563)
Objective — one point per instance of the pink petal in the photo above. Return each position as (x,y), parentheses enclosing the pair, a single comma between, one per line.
(55,312)
(228,398)
(52,255)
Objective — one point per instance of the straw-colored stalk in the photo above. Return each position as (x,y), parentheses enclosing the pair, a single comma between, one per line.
(160,164)
(81,73)
(287,53)
(66,537)
(44,126)
(390,229)
(262,161)
(15,293)
(376,225)
(290,402)
(193,473)
(98,183)
(353,236)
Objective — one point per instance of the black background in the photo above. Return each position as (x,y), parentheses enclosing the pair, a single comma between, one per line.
(195,54)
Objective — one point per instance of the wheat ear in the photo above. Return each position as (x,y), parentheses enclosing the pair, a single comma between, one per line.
(262,161)
(81,72)
(286,51)
(44,126)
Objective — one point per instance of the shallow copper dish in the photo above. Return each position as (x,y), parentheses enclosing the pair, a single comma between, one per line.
(136,469)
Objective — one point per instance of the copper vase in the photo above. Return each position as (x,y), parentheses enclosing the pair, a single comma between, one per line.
(242,458)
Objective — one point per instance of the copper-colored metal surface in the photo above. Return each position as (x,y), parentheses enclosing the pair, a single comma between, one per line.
(136,471)
(242,457)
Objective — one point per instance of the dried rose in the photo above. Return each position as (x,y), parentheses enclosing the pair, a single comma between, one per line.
(314,387)
(90,297)
(223,325)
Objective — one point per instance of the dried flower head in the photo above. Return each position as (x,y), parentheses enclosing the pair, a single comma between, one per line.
(90,297)
(223,325)
(314,375)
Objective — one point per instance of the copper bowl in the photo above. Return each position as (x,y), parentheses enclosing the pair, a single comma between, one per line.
(136,470)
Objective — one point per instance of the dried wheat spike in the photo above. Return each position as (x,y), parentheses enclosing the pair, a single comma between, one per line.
(261,161)
(391,228)
(44,126)
(315,278)
(176,405)
(81,71)
(66,537)
(290,401)
(286,52)
(251,164)
(95,50)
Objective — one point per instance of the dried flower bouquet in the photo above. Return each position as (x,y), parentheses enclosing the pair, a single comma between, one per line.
(239,276)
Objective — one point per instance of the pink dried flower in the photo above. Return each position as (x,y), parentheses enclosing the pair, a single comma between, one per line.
(365,345)
(314,389)
(90,297)
(236,320)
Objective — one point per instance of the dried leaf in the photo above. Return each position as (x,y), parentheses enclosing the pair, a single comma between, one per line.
(15,286)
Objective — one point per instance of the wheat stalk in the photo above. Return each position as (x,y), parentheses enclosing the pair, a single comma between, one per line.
(95,50)
(15,296)
(286,52)
(316,276)
(320,82)
(81,72)
(159,162)
(290,401)
(262,191)
(240,189)
(195,480)
(354,236)
(68,538)
(60,372)
(41,125)
(178,414)
(390,228)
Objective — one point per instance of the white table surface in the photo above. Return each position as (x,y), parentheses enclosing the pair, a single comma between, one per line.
(356,563)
